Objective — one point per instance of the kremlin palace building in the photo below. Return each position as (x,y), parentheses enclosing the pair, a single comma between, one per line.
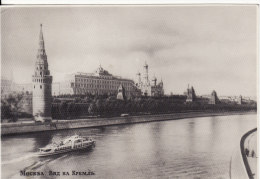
(98,83)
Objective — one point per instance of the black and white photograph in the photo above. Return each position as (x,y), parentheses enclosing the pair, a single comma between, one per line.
(151,91)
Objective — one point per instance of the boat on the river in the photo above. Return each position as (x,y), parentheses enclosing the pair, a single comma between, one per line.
(72,143)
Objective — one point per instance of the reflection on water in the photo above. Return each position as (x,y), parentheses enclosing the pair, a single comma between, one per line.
(188,148)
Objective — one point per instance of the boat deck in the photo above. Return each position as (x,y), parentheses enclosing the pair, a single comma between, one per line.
(250,146)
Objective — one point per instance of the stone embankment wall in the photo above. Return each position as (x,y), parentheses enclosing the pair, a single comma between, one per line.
(18,128)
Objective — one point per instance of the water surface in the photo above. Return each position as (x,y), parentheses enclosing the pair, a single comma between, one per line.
(186,148)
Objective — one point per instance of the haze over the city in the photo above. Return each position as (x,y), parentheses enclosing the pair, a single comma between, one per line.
(208,47)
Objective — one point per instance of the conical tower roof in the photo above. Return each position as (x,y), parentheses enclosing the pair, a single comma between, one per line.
(41,55)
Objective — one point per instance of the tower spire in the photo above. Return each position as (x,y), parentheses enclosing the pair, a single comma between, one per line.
(41,40)
(41,51)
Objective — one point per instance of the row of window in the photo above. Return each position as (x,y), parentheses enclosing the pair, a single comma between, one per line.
(98,86)
(40,86)
(41,80)
(41,73)
(105,77)
(63,148)
(41,68)
(47,87)
(99,92)
(102,85)
(101,81)
(81,91)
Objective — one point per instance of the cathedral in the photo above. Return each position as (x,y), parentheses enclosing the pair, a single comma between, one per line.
(147,88)
(42,84)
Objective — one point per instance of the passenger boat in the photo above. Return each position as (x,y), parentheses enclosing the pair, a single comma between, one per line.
(72,143)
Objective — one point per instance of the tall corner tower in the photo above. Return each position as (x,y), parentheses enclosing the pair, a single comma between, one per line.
(42,83)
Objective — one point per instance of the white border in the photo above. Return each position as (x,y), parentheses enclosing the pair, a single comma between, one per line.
(69,2)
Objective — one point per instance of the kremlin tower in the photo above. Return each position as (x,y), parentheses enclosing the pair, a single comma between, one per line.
(42,84)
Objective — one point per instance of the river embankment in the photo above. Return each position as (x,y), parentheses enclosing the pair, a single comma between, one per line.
(20,128)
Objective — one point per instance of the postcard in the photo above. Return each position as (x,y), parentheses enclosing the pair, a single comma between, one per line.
(129,91)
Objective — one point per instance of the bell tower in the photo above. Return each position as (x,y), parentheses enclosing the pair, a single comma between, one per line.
(42,83)
(146,85)
(146,77)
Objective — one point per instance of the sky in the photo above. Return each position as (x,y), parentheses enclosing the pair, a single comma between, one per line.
(208,47)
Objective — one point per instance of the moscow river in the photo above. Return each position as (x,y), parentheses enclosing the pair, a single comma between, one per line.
(187,148)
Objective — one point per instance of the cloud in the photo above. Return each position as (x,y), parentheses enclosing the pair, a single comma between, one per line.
(204,45)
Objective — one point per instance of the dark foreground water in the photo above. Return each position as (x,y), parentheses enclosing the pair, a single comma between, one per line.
(187,148)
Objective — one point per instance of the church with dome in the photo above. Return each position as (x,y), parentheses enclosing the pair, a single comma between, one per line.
(149,88)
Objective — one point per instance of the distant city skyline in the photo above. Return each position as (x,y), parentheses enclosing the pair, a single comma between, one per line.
(208,47)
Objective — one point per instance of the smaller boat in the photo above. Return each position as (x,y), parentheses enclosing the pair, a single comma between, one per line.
(72,143)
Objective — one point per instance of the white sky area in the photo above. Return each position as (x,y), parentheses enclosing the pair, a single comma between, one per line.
(209,47)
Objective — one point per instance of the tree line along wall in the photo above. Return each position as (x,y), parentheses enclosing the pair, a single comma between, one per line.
(107,107)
